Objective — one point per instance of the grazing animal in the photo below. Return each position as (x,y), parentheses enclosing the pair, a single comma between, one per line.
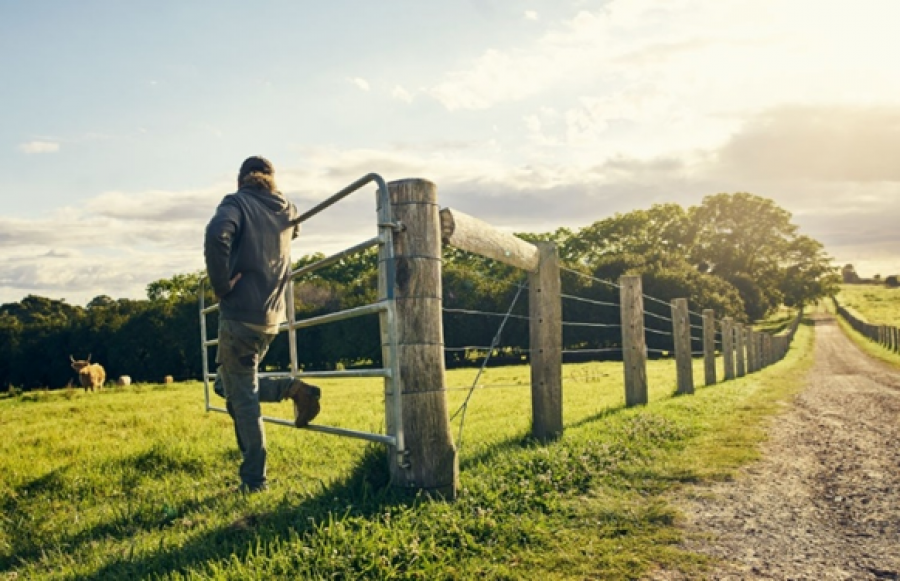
(124,380)
(90,375)
(169,379)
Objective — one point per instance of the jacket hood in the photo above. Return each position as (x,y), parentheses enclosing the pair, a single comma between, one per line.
(270,199)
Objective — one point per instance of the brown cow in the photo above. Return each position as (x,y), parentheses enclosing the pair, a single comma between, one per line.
(90,375)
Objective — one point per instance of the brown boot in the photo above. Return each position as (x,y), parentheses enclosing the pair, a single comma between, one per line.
(306,401)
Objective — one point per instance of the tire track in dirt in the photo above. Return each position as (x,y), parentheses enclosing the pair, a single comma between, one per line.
(824,501)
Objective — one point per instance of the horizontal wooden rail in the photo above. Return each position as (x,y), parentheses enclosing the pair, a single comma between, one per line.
(473,235)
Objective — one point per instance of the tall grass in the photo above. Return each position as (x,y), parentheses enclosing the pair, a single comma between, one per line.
(136,482)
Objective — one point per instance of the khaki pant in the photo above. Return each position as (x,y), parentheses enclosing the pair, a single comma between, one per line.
(239,353)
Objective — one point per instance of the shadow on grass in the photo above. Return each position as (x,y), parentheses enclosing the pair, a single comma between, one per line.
(526,441)
(363,493)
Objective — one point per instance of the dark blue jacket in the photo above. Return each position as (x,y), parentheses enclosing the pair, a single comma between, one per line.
(251,234)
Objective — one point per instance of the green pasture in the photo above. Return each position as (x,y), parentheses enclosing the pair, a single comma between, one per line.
(876,304)
(137,482)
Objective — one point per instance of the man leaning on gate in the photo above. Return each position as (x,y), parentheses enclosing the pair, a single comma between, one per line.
(248,259)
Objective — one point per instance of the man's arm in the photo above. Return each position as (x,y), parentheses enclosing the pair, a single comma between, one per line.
(221,233)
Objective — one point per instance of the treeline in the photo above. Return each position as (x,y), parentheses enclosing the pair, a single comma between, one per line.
(738,254)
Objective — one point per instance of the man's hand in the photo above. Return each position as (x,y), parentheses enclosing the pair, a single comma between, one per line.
(231,284)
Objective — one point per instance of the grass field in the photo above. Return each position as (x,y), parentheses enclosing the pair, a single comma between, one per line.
(876,304)
(135,482)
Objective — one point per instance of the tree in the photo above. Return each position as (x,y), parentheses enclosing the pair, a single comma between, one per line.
(660,235)
(180,286)
(744,239)
(808,273)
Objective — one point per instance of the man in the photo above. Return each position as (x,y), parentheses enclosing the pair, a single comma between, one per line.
(247,251)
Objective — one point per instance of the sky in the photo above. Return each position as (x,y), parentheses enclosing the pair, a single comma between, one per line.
(123,124)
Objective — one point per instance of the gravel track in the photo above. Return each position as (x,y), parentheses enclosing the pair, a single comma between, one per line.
(824,500)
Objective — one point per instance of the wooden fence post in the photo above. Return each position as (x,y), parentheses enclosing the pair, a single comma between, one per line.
(709,347)
(681,335)
(545,306)
(752,361)
(760,361)
(432,461)
(739,351)
(728,347)
(634,346)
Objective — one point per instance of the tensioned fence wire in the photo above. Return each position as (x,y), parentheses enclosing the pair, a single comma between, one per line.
(463,408)
(573,324)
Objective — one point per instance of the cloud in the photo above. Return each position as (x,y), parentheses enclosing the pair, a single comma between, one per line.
(361,84)
(836,143)
(531,15)
(39,147)
(402,94)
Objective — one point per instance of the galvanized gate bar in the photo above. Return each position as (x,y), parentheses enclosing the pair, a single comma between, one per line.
(372,177)
(385,307)
(383,439)
(334,317)
(327,261)
(374,372)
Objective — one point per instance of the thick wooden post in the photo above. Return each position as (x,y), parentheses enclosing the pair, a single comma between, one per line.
(728,347)
(681,335)
(740,353)
(432,464)
(709,346)
(752,361)
(634,346)
(545,309)
(758,339)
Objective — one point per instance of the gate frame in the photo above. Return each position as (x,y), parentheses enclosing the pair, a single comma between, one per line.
(385,307)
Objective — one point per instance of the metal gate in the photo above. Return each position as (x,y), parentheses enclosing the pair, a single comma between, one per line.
(385,307)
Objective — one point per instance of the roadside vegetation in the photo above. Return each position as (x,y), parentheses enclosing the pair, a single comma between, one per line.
(876,304)
(136,482)
(737,254)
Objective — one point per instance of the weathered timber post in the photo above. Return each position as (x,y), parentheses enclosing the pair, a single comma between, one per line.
(432,464)
(760,362)
(767,349)
(545,312)
(764,344)
(728,347)
(634,345)
(709,347)
(681,335)
(752,361)
(740,358)
(541,261)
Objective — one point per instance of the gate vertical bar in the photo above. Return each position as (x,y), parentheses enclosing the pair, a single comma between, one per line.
(204,350)
(292,333)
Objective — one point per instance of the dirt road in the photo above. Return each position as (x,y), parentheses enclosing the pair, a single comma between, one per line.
(824,502)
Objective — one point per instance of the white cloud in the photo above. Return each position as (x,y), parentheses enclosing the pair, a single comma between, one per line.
(39,147)
(402,94)
(682,73)
(531,15)
(361,84)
